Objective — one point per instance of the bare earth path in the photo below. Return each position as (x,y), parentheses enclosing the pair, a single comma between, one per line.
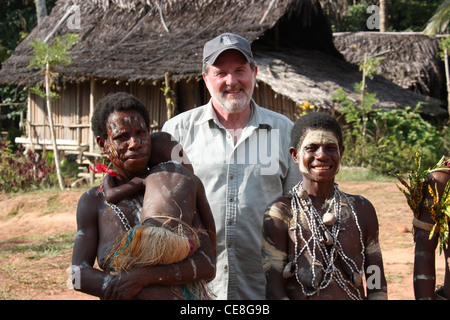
(37,231)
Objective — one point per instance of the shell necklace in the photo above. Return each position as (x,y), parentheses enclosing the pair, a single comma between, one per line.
(324,241)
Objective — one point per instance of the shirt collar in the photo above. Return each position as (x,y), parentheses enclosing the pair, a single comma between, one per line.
(257,119)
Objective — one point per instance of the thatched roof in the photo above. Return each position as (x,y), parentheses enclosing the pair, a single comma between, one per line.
(141,40)
(128,40)
(311,75)
(411,59)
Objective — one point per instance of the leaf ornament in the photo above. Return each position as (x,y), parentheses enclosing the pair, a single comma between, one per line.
(417,180)
(439,207)
(440,213)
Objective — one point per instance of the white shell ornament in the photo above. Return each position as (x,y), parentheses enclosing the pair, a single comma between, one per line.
(288,270)
(329,219)
(302,194)
(327,238)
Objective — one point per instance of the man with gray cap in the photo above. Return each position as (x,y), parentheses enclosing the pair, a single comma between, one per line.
(240,151)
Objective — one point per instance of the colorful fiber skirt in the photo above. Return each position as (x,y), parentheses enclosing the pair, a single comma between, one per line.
(150,245)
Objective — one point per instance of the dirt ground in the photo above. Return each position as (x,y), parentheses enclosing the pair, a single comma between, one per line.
(37,230)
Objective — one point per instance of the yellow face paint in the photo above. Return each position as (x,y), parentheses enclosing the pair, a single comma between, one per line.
(317,137)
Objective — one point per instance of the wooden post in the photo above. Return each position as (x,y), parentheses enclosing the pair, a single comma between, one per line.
(91,112)
(91,133)
(447,76)
(52,129)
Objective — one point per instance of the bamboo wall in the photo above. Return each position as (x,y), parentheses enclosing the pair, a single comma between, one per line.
(72,110)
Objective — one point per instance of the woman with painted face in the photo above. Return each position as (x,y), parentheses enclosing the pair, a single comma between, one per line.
(318,242)
(121,126)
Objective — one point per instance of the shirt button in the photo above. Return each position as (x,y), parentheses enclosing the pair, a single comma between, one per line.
(231,177)
(230,222)
(231,199)
(225,268)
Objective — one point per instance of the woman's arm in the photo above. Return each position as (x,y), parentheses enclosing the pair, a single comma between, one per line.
(86,278)
(197,267)
(424,252)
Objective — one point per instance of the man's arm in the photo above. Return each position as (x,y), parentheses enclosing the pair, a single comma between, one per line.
(274,249)
(376,284)
(424,252)
(91,281)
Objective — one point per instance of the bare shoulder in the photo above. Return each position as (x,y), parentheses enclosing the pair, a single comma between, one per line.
(90,196)
(280,208)
(364,209)
(441,176)
(87,207)
(358,200)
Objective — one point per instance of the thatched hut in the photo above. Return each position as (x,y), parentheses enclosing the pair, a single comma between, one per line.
(411,59)
(133,45)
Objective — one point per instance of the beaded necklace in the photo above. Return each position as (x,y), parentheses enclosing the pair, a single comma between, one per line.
(324,241)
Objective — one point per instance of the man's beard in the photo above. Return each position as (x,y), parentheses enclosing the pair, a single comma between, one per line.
(235,105)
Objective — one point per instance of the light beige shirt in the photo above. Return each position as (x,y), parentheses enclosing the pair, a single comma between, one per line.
(240,181)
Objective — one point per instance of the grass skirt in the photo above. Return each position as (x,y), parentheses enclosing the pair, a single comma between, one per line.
(149,245)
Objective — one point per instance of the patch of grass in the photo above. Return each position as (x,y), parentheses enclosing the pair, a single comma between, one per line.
(15,211)
(37,247)
(395,278)
(362,174)
(51,204)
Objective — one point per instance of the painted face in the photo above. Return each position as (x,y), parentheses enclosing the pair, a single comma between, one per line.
(319,156)
(128,143)
(230,81)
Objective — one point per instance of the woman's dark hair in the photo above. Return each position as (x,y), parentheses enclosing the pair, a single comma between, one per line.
(119,101)
(313,121)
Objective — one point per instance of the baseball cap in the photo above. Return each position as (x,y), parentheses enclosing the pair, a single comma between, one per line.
(226,41)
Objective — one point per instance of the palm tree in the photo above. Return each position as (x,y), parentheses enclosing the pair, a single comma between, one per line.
(438,24)
(439,21)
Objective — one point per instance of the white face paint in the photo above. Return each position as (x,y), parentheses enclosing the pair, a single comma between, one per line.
(317,137)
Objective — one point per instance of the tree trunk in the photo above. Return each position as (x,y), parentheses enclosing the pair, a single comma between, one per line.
(384,9)
(447,77)
(41,10)
(52,128)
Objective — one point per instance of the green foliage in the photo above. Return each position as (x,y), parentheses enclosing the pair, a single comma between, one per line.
(21,171)
(444,44)
(355,19)
(17,97)
(404,15)
(411,15)
(46,57)
(384,141)
(54,54)
(17,19)
(369,66)
(439,22)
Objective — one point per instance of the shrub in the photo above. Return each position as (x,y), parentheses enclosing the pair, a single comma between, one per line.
(20,171)
(386,141)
